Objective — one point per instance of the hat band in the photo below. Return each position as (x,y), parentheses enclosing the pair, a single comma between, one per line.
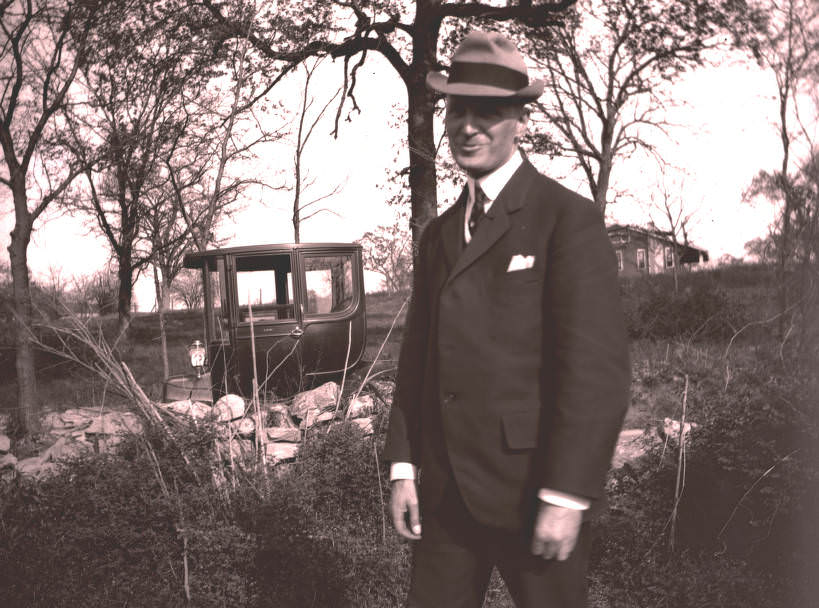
(487,74)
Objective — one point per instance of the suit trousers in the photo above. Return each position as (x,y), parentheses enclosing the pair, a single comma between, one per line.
(453,562)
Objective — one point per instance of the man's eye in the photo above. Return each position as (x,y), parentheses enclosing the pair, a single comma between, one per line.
(487,113)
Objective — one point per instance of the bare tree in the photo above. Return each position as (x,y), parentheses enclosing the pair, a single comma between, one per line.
(42,45)
(188,288)
(387,250)
(789,47)
(306,125)
(672,215)
(54,288)
(607,67)
(196,189)
(145,70)
(407,35)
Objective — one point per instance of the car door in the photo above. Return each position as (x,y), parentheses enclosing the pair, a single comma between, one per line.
(266,313)
(333,309)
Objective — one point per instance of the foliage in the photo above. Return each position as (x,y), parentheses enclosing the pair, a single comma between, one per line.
(744,535)
(607,66)
(187,286)
(41,47)
(105,532)
(387,250)
(700,310)
(789,47)
(313,533)
(406,34)
(326,524)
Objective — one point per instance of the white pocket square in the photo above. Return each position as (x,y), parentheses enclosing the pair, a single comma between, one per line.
(520,262)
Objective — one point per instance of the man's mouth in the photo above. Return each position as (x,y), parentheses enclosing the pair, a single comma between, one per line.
(470,147)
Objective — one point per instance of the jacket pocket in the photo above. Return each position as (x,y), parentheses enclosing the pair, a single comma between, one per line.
(520,430)
(526,275)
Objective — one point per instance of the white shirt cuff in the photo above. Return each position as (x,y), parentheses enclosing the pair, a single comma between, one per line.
(562,499)
(403,470)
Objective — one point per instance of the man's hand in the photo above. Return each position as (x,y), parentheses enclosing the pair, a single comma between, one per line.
(556,530)
(403,501)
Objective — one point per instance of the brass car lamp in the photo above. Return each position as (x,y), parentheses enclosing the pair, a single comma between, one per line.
(197,354)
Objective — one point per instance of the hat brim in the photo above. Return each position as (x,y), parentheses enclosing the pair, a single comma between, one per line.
(438,82)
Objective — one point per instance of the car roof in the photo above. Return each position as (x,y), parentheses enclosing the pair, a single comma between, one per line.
(196,259)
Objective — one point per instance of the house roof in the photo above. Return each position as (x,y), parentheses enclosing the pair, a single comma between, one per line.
(690,253)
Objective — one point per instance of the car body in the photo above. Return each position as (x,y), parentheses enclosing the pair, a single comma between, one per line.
(297,309)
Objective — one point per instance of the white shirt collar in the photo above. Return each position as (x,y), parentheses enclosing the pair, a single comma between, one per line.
(491,184)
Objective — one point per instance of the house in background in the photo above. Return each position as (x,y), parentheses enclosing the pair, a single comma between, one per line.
(647,251)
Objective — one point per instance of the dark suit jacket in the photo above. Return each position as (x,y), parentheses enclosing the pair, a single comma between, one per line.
(512,381)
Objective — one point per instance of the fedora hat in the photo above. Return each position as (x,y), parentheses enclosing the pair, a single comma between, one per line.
(486,65)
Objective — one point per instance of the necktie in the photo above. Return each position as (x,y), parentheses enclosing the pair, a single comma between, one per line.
(477,214)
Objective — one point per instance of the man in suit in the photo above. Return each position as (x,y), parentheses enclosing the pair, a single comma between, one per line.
(513,374)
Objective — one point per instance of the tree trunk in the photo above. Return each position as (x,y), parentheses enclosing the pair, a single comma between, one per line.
(603,175)
(674,259)
(27,413)
(161,295)
(125,291)
(296,218)
(420,134)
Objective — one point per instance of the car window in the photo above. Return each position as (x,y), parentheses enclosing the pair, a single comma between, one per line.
(217,325)
(329,283)
(265,284)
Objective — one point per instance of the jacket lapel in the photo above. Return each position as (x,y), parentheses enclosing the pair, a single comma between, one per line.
(452,237)
(497,220)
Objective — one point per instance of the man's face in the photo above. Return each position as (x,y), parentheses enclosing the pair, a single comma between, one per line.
(482,131)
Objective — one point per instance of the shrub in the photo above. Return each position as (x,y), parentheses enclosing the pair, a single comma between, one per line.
(104,532)
(744,530)
(324,537)
(698,311)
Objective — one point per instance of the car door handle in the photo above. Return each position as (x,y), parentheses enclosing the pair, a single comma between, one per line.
(297,332)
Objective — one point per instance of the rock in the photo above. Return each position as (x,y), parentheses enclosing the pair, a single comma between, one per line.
(384,389)
(365,424)
(278,415)
(80,417)
(315,416)
(229,407)
(278,452)
(5,443)
(361,406)
(115,423)
(244,427)
(65,448)
(30,466)
(238,449)
(322,398)
(7,460)
(282,433)
(670,431)
(195,409)
(53,421)
(631,445)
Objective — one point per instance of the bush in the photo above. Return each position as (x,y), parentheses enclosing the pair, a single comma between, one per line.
(103,531)
(744,531)
(700,310)
(324,535)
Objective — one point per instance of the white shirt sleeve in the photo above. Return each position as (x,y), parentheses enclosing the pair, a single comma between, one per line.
(562,499)
(407,470)
(403,470)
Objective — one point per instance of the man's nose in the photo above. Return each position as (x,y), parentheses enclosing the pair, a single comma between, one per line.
(469,125)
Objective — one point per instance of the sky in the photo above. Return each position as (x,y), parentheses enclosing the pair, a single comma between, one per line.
(728,133)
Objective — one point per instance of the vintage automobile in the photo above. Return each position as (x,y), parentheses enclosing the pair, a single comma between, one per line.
(298,309)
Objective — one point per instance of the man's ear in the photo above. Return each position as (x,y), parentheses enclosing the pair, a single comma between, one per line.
(522,126)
